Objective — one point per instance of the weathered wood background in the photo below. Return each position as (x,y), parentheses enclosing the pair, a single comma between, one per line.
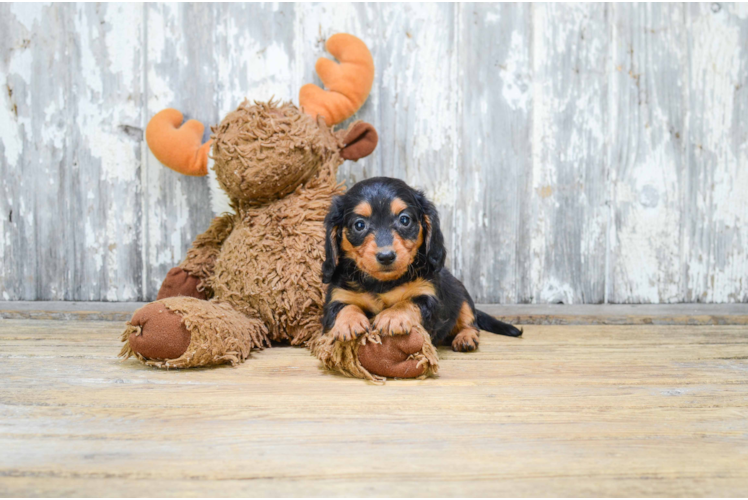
(578,153)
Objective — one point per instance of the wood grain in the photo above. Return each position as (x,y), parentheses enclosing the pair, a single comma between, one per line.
(181,72)
(494,160)
(577,153)
(526,314)
(417,100)
(569,216)
(314,23)
(573,410)
(647,163)
(70,116)
(717,152)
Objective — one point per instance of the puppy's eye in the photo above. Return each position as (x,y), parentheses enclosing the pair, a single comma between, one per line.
(359,225)
(405,220)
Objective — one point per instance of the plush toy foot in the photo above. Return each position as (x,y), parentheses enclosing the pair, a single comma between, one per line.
(182,332)
(179,283)
(158,333)
(393,357)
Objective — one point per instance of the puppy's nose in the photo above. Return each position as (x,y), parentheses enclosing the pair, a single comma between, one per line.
(386,258)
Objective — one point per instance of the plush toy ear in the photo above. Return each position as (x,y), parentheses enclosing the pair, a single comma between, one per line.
(333,230)
(433,241)
(360,141)
(178,147)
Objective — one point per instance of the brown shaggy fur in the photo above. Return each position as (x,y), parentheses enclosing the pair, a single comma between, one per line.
(261,267)
(343,357)
(263,264)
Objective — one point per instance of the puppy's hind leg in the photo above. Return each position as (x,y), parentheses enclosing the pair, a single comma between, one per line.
(465,332)
(466,340)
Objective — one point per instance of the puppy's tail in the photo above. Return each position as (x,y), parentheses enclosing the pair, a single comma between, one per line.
(493,325)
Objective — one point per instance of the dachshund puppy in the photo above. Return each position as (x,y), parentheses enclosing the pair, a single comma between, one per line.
(384,264)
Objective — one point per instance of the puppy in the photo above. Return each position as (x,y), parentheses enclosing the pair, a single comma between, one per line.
(384,263)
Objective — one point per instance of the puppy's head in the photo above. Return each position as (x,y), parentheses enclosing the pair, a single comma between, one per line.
(384,227)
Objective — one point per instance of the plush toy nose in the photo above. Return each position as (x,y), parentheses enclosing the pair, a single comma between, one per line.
(386,258)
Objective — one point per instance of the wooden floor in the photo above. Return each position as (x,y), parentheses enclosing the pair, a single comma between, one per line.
(567,410)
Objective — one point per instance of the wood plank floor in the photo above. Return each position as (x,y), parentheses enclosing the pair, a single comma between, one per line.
(567,410)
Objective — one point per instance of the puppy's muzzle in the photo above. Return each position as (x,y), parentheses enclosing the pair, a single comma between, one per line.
(386,257)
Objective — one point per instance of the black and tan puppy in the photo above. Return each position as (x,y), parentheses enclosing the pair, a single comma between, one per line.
(385,266)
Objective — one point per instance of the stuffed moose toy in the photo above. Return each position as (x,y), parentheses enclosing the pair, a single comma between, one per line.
(255,275)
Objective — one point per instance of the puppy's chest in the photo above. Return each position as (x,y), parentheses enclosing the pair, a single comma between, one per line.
(374,303)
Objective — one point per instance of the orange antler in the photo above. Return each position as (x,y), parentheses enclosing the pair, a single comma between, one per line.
(178,147)
(349,82)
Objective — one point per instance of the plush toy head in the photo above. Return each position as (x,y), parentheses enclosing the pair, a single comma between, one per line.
(264,151)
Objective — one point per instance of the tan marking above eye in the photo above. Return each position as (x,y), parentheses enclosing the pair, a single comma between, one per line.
(407,292)
(363,209)
(397,205)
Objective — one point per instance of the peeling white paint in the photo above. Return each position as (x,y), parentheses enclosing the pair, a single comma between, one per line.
(28,13)
(178,213)
(434,112)
(607,194)
(255,70)
(647,160)
(718,66)
(122,59)
(161,24)
(90,68)
(569,218)
(118,160)
(94,243)
(10,130)
(4,242)
(515,73)
(491,18)
(14,123)
(554,291)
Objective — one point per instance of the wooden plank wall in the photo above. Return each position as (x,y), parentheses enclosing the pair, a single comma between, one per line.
(579,153)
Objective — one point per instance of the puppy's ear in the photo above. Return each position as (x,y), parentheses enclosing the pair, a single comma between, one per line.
(333,227)
(433,241)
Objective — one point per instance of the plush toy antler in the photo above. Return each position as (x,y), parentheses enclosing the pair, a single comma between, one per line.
(178,147)
(349,82)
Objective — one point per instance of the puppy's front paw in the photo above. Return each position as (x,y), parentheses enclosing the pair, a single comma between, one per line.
(465,341)
(350,324)
(397,320)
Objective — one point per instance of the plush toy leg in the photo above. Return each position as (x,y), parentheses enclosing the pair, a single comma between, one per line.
(182,332)
(374,358)
(179,283)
